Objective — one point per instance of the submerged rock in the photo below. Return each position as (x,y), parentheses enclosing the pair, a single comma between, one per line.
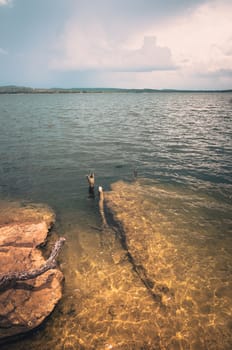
(22,229)
(137,234)
(180,261)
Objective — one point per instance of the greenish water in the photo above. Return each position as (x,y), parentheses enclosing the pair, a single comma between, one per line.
(181,142)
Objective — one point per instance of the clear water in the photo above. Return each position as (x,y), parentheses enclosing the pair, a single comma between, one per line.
(181,142)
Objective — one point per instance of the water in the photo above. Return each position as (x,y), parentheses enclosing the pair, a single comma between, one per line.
(178,142)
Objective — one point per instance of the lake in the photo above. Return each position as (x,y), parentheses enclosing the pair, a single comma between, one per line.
(177,143)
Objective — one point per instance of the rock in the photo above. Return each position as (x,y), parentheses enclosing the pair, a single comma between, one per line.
(22,229)
(126,203)
(21,212)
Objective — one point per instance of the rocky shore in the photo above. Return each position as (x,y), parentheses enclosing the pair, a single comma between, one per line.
(24,306)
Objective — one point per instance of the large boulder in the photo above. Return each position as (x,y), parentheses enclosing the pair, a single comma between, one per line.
(23,228)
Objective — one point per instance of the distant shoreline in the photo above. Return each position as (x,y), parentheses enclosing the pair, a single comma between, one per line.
(27,90)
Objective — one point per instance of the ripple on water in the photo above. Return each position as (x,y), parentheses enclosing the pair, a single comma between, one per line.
(48,143)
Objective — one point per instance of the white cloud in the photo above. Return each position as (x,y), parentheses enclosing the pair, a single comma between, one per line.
(150,57)
(203,40)
(198,42)
(5,2)
(83,52)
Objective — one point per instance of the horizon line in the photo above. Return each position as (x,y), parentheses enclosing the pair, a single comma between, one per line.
(29,88)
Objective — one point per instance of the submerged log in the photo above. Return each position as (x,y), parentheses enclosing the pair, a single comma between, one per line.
(10,279)
(101,206)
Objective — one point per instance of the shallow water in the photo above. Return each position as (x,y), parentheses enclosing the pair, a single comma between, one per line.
(182,143)
(184,256)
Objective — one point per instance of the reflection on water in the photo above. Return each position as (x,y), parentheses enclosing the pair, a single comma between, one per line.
(172,235)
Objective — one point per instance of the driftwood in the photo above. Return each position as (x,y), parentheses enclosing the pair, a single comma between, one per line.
(91,181)
(101,206)
(10,279)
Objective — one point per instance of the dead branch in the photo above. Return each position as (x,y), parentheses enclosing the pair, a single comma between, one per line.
(9,280)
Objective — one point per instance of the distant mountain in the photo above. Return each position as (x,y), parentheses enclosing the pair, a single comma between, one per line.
(12,89)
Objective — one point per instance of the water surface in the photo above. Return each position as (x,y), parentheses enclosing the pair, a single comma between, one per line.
(177,142)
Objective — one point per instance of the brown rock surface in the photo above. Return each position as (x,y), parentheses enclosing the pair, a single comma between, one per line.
(22,229)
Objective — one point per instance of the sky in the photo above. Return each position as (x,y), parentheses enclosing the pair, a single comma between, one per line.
(159,44)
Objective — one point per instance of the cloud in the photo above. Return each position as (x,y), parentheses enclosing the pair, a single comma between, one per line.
(192,39)
(201,43)
(5,2)
(81,53)
(150,57)
(134,43)
(107,35)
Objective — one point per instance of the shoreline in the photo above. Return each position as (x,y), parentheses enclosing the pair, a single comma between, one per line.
(11,89)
